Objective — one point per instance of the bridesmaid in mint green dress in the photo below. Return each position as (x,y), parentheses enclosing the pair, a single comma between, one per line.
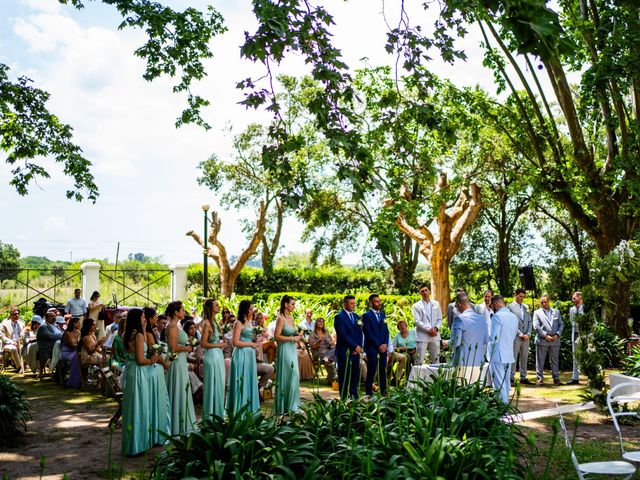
(183,416)
(243,374)
(139,382)
(160,421)
(287,395)
(214,372)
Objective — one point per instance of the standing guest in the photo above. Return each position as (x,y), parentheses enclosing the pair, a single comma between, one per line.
(486,309)
(504,328)
(69,351)
(183,416)
(47,336)
(306,325)
(452,310)
(159,403)
(348,348)
(161,326)
(76,306)
(94,308)
(521,343)
(548,325)
(427,317)
(214,373)
(90,346)
(137,428)
(469,335)
(577,309)
(11,331)
(287,395)
(29,350)
(404,348)
(376,341)
(323,348)
(243,388)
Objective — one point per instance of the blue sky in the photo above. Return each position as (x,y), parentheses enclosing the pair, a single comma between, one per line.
(144,166)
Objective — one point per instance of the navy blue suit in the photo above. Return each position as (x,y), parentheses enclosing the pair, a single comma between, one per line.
(376,333)
(348,337)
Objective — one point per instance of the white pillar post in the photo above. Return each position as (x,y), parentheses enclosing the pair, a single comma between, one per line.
(178,282)
(90,279)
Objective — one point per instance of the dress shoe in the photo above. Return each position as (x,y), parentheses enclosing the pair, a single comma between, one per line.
(556,381)
(573,382)
(539,382)
(526,381)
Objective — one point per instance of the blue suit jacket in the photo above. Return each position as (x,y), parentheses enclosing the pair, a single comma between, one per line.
(375,332)
(348,333)
(469,339)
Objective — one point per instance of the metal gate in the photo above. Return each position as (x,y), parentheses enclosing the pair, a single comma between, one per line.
(141,294)
(56,284)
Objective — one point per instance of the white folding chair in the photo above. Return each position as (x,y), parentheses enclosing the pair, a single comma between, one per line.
(613,468)
(624,393)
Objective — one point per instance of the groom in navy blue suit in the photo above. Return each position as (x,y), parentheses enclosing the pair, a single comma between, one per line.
(348,347)
(376,340)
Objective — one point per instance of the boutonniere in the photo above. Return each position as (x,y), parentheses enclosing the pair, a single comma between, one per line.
(359,322)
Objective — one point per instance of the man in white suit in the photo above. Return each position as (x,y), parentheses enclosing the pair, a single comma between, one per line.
(522,341)
(548,325)
(486,308)
(11,331)
(427,317)
(574,312)
(504,328)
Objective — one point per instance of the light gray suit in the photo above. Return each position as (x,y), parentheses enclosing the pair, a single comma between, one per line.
(504,328)
(520,345)
(575,332)
(8,342)
(425,317)
(547,322)
(469,339)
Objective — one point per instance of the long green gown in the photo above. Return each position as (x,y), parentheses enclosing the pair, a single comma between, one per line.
(213,400)
(160,420)
(243,377)
(183,416)
(136,400)
(287,394)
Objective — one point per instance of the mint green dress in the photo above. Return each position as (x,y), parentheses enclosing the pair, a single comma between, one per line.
(287,395)
(136,400)
(160,420)
(182,414)
(214,378)
(243,377)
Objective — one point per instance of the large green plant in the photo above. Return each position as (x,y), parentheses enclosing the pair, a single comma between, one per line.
(15,410)
(439,430)
(631,365)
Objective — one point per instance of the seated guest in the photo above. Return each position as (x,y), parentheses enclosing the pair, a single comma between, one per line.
(11,330)
(323,348)
(306,325)
(61,323)
(404,349)
(90,346)
(118,359)
(69,351)
(305,362)
(29,351)
(194,358)
(47,335)
(160,327)
(267,348)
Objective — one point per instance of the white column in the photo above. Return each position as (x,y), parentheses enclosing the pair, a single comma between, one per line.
(178,282)
(90,279)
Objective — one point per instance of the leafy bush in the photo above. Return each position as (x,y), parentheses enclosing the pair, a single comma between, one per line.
(438,430)
(15,410)
(631,364)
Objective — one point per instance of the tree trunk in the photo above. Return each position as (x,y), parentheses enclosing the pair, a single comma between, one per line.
(503,266)
(617,306)
(270,248)
(403,263)
(440,286)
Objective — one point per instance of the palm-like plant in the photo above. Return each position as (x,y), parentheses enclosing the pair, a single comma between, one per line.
(15,410)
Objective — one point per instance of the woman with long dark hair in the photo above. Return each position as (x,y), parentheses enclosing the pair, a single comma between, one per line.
(212,343)
(69,351)
(160,420)
(137,434)
(90,347)
(183,415)
(243,375)
(287,395)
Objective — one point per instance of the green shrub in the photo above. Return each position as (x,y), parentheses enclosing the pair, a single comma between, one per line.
(441,430)
(631,364)
(15,410)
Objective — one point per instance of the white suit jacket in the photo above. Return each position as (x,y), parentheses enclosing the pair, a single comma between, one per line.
(426,318)
(6,330)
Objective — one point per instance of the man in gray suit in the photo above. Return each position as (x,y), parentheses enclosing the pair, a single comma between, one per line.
(521,343)
(548,325)
(577,309)
(469,335)
(427,317)
(504,328)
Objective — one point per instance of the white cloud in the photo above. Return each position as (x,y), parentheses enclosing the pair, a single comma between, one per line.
(42,5)
(55,224)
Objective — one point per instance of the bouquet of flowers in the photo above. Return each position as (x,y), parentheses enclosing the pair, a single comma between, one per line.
(157,349)
(194,342)
(172,356)
(226,328)
(258,330)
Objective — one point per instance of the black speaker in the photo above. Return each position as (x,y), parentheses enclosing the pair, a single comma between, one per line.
(527,279)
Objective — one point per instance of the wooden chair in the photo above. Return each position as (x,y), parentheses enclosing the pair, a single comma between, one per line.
(613,468)
(113,391)
(624,393)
